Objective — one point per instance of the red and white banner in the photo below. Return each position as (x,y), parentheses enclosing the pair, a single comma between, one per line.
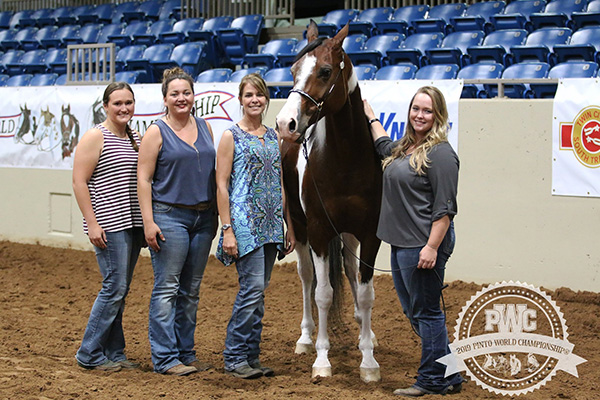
(576,138)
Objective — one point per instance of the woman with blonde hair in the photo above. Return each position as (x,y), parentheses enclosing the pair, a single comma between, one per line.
(418,205)
(176,186)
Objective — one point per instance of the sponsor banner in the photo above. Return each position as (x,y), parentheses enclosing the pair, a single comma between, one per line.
(40,127)
(576,138)
(390,101)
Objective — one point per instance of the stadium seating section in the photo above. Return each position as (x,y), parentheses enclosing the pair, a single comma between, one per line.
(496,39)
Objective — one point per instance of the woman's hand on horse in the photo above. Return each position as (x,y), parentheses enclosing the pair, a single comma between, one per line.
(97,236)
(427,257)
(151,233)
(290,242)
(370,114)
(230,243)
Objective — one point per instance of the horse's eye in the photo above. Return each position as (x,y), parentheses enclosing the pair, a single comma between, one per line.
(325,73)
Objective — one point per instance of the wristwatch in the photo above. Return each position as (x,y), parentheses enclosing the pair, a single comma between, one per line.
(373,120)
(225,227)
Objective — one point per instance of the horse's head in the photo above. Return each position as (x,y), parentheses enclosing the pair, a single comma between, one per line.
(321,73)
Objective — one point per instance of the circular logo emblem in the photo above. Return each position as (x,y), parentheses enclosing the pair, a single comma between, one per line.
(511,338)
(586,136)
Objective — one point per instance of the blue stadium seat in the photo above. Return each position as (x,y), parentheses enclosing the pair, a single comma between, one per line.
(366,20)
(539,45)
(11,58)
(79,10)
(134,52)
(516,15)
(6,35)
(413,49)
(101,14)
(51,17)
(191,57)
(19,80)
(477,16)
(591,16)
(156,53)
(375,49)
(335,20)
(87,34)
(121,9)
(5,17)
(496,46)
(268,55)
(557,13)
(396,72)
(63,16)
(214,75)
(478,71)
(453,49)
(125,38)
(61,80)
(151,36)
(283,74)
(242,37)
(17,41)
(148,10)
(35,42)
(287,59)
(584,45)
(354,43)
(43,79)
(437,71)
(208,34)
(56,61)
(15,21)
(3,79)
(179,33)
(401,19)
(365,72)
(236,76)
(33,18)
(32,62)
(131,77)
(110,30)
(65,31)
(524,70)
(439,18)
(573,69)
(170,9)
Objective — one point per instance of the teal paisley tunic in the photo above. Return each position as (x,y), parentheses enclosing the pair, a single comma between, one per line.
(255,199)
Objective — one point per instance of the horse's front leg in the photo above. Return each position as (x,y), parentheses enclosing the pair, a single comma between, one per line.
(306,273)
(323,298)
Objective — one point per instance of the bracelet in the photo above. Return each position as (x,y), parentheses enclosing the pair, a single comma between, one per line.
(373,120)
(225,227)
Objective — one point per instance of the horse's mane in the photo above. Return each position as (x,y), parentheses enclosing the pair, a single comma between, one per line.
(310,47)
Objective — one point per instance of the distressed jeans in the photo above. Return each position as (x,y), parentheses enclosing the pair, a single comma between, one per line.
(103,338)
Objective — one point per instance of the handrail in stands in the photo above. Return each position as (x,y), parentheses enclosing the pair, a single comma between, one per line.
(90,64)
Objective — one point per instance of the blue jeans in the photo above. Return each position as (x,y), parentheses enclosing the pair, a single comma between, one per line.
(242,344)
(419,291)
(178,271)
(103,338)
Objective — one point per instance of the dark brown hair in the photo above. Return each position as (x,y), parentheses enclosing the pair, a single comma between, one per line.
(106,98)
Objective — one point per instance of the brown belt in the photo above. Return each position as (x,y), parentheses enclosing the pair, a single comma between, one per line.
(197,207)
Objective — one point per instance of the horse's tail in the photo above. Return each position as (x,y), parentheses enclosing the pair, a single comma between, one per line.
(336,278)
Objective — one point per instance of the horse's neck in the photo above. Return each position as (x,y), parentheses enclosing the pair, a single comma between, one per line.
(347,129)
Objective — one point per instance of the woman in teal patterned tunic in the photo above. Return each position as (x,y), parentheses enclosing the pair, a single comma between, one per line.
(251,205)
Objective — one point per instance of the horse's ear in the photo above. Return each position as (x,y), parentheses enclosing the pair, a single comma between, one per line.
(312,32)
(341,35)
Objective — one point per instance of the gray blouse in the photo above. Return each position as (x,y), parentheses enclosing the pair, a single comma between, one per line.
(411,202)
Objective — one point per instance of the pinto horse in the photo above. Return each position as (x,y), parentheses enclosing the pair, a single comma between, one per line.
(333,190)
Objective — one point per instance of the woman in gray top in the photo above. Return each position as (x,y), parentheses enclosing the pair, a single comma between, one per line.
(420,182)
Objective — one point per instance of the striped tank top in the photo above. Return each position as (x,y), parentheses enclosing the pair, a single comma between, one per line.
(113,184)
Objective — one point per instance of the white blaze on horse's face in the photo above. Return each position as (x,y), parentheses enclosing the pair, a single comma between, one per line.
(290,120)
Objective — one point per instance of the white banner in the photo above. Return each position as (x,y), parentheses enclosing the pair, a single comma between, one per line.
(40,127)
(390,101)
(576,138)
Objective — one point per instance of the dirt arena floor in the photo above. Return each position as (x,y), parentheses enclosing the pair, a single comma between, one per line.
(46,295)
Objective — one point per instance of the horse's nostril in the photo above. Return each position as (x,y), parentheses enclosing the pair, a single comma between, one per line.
(293,125)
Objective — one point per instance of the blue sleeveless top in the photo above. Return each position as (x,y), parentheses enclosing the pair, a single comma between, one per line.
(184,174)
(255,199)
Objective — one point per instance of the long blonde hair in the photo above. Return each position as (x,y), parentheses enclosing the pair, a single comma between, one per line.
(438,133)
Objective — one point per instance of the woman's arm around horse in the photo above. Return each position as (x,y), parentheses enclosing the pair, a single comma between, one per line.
(223,175)
(85,162)
(151,144)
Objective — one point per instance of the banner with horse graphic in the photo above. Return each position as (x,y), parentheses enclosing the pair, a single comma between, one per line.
(576,138)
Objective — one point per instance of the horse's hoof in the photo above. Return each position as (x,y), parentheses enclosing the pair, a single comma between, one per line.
(304,348)
(323,372)
(369,374)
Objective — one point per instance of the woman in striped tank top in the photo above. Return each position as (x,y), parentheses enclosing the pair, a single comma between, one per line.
(104,183)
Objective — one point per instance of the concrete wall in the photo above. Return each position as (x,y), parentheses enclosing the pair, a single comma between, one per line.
(509,226)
